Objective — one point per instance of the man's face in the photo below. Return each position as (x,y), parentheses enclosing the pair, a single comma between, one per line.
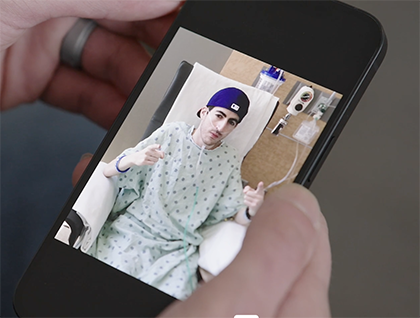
(216,125)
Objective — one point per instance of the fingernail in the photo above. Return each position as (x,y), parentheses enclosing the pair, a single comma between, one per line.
(310,214)
(305,202)
(85,156)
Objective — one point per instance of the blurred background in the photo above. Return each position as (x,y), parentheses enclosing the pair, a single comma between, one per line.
(368,187)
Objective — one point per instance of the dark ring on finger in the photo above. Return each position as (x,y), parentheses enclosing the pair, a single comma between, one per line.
(74,42)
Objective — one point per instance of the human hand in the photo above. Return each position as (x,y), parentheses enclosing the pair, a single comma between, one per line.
(254,198)
(282,270)
(112,60)
(148,156)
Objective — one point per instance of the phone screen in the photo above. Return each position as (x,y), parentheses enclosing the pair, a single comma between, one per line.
(168,223)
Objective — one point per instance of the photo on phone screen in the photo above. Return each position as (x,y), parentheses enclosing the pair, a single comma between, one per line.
(162,204)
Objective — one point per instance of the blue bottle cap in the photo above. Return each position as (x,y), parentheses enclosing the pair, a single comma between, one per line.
(273,72)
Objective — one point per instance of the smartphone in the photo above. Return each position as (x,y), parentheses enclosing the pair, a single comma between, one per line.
(239,93)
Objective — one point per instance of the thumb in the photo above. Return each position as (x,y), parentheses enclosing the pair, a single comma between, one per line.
(260,187)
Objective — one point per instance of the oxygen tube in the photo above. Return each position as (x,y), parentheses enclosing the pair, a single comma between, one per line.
(192,210)
(185,239)
(305,134)
(276,183)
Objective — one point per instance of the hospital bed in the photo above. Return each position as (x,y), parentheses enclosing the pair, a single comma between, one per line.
(191,85)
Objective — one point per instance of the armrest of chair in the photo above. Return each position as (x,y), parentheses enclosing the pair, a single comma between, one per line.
(90,211)
(76,226)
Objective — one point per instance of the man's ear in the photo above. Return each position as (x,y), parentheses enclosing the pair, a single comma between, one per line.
(203,111)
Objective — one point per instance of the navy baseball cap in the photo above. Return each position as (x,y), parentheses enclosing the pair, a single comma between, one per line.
(231,98)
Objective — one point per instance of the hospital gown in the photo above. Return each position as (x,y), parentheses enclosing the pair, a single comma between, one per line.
(153,231)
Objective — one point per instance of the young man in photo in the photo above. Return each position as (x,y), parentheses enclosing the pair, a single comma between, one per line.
(173,184)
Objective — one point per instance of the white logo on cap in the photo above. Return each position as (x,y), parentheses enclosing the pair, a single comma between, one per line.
(234,107)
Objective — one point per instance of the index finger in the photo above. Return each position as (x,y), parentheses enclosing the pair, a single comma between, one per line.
(125,58)
(156,148)
(150,32)
(277,247)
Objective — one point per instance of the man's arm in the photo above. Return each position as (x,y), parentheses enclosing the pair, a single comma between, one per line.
(253,199)
(147,156)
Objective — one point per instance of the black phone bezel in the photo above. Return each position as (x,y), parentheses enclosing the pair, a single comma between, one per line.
(61,281)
